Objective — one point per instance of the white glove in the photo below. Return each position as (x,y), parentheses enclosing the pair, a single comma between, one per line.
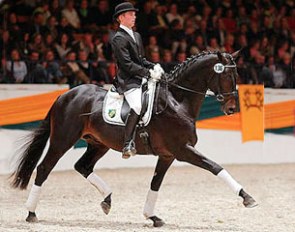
(155,75)
(159,69)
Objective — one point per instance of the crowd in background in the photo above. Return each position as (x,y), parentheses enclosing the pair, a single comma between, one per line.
(66,41)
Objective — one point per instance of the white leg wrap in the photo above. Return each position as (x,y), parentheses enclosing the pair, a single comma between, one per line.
(33,198)
(150,203)
(227,178)
(98,183)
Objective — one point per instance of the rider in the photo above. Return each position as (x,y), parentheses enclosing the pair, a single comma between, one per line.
(132,68)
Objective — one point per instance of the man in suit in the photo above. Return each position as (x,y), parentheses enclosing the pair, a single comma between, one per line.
(132,67)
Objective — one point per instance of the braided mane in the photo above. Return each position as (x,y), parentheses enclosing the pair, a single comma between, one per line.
(180,68)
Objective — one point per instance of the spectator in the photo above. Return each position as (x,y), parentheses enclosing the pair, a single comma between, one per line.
(71,15)
(62,46)
(213,45)
(36,72)
(159,25)
(219,32)
(244,76)
(73,72)
(84,64)
(43,9)
(197,46)
(145,21)
(55,9)
(51,27)
(177,37)
(37,44)
(101,14)
(285,81)
(13,27)
(37,27)
(229,21)
(6,44)
(85,14)
(49,42)
(155,57)
(229,43)
(168,63)
(64,27)
(16,69)
(204,31)
(180,57)
(53,71)
(173,15)
(23,45)
(152,46)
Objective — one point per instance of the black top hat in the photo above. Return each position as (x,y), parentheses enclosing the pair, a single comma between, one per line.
(123,7)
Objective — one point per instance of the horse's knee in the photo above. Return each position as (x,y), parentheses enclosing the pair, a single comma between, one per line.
(82,169)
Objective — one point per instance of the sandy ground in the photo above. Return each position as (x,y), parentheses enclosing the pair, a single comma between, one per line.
(190,199)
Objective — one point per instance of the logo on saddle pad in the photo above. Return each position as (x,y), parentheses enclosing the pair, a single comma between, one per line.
(112,113)
(115,112)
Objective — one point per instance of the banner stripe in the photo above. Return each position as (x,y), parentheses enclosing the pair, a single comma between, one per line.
(27,109)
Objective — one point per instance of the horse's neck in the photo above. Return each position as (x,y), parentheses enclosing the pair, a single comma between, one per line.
(192,101)
(192,75)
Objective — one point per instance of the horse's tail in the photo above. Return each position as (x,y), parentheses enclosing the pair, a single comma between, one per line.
(31,153)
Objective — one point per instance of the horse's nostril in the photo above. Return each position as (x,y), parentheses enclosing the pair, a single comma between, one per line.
(231,110)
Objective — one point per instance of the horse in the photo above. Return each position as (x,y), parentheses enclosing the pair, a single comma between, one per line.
(171,130)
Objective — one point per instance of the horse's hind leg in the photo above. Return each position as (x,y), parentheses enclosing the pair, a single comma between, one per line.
(192,156)
(85,167)
(44,168)
(160,171)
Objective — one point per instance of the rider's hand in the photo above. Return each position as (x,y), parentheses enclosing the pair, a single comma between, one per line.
(155,75)
(158,68)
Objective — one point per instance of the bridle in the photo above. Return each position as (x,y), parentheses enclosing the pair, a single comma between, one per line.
(219,69)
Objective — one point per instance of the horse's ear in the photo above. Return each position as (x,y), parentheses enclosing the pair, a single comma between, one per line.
(236,54)
(219,55)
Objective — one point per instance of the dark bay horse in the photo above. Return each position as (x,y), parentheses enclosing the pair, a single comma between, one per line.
(172,133)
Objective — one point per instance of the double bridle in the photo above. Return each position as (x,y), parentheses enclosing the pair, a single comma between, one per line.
(219,69)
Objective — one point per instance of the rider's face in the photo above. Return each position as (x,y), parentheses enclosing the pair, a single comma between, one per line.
(128,19)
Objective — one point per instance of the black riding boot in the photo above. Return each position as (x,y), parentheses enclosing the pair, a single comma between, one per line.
(129,145)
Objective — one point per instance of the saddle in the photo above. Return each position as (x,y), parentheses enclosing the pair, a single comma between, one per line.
(116,108)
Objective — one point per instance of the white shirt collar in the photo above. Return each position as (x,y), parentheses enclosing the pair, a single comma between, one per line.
(129,31)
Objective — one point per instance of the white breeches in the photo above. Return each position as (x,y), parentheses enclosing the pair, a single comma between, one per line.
(133,97)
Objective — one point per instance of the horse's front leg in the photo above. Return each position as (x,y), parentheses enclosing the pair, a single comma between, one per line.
(192,156)
(162,166)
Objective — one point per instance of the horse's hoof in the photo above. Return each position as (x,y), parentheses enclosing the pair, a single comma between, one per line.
(157,222)
(249,202)
(32,218)
(106,207)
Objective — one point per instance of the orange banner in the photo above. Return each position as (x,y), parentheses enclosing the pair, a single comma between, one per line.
(251,98)
(27,109)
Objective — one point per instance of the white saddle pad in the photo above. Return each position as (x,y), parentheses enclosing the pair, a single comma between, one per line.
(113,102)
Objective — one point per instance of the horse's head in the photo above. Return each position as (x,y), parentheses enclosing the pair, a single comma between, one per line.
(223,81)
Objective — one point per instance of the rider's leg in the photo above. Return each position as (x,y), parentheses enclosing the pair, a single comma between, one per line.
(133,97)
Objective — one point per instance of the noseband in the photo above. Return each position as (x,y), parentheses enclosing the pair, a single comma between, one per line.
(219,69)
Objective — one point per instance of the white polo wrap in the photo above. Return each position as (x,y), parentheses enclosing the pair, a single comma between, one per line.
(33,198)
(98,183)
(227,178)
(150,203)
